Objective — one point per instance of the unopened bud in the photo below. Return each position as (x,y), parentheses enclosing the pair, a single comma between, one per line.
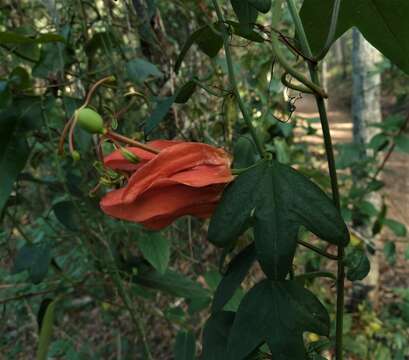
(75,155)
(131,157)
(90,121)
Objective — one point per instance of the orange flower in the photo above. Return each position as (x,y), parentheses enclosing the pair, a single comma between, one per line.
(185,178)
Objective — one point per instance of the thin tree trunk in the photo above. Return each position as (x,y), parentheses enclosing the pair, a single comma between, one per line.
(366,111)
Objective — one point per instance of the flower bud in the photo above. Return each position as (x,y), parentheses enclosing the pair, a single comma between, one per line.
(131,157)
(90,121)
(75,155)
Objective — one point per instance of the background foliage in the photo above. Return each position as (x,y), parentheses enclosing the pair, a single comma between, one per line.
(109,287)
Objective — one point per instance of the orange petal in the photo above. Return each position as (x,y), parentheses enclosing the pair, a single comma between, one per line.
(169,201)
(116,160)
(176,159)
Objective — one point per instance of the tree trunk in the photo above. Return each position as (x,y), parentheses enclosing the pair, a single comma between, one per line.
(366,111)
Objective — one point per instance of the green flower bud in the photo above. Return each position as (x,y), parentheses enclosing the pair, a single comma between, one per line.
(90,121)
(131,157)
(75,155)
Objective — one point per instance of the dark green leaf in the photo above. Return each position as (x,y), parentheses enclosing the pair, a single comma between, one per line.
(233,212)
(171,282)
(185,92)
(19,78)
(14,152)
(236,272)
(159,113)
(398,228)
(7,37)
(104,42)
(263,6)
(215,335)
(246,13)
(378,142)
(185,346)
(402,143)
(357,264)
(35,258)
(379,21)
(65,212)
(5,94)
(249,35)
(277,313)
(207,40)
(140,70)
(287,200)
(389,250)
(156,249)
(210,41)
(283,200)
(245,153)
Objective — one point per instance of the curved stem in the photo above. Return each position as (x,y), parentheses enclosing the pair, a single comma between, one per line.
(333,175)
(275,43)
(332,30)
(297,87)
(318,250)
(233,81)
(125,140)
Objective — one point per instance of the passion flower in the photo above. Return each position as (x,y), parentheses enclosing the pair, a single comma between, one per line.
(184,178)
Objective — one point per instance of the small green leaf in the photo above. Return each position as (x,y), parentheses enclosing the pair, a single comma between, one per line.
(357,264)
(171,282)
(234,276)
(5,94)
(378,142)
(389,250)
(156,249)
(207,40)
(402,143)
(398,228)
(8,37)
(140,70)
(185,346)
(35,258)
(46,331)
(185,92)
(263,6)
(246,13)
(244,153)
(159,113)
(65,212)
(19,78)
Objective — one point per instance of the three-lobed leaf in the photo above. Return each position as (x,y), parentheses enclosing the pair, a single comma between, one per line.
(276,200)
(277,313)
(379,21)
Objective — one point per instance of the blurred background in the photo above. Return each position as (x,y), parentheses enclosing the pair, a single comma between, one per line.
(114,288)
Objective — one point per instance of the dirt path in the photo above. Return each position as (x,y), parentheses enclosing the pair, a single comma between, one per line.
(396,173)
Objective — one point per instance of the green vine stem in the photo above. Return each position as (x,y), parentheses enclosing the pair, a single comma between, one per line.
(332,171)
(280,57)
(297,87)
(233,81)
